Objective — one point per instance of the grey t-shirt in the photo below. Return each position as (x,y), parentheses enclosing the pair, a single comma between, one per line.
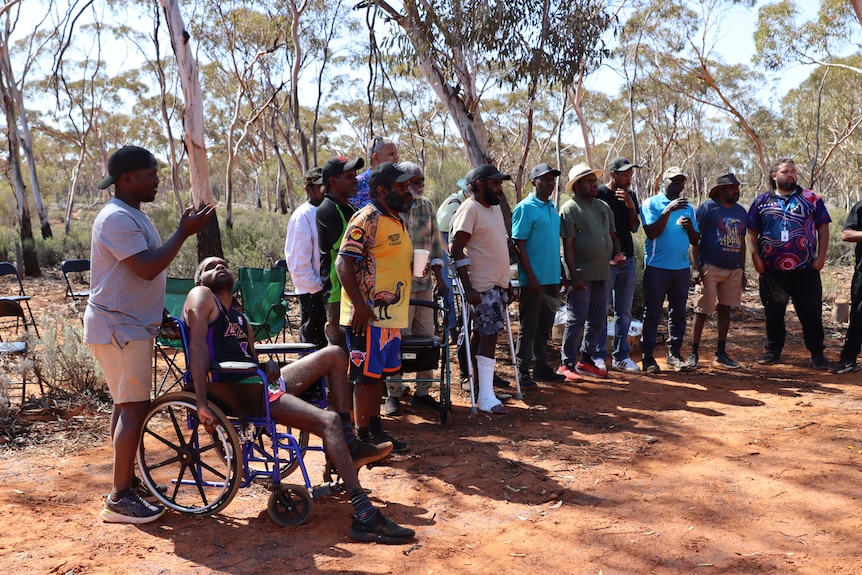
(122,303)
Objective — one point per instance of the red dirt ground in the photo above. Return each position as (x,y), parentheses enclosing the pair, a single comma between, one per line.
(755,471)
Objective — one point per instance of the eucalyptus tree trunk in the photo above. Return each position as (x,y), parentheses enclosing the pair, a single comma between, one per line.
(30,261)
(209,239)
(25,141)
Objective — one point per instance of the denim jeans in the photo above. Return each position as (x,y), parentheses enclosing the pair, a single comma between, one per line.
(621,288)
(659,283)
(537,321)
(587,320)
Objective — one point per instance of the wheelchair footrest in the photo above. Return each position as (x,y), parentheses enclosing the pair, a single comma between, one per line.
(326,489)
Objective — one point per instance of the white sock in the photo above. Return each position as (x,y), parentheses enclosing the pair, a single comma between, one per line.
(485,367)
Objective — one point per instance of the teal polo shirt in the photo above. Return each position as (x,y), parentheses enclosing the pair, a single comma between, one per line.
(669,251)
(538,223)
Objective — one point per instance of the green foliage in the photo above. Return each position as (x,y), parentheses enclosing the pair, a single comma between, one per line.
(839,252)
(256,240)
(8,240)
(62,246)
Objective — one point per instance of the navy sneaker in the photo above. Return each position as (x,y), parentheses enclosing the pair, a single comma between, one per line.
(130,509)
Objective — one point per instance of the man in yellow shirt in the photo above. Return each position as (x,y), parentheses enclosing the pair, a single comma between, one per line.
(374,266)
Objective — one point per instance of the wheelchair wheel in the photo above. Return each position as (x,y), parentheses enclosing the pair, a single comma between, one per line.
(200,472)
(289,505)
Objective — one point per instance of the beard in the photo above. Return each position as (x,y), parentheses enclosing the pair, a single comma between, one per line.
(786,186)
(396,201)
(491,198)
(222,283)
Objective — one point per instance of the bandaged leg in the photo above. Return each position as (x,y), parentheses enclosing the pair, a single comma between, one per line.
(485,367)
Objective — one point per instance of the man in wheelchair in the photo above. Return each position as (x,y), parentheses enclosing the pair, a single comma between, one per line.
(218,332)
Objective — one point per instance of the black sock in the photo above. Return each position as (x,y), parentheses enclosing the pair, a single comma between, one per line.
(694,347)
(720,350)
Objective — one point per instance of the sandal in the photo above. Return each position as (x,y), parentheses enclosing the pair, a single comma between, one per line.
(498,409)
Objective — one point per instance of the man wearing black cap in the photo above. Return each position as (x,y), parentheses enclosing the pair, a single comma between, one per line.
(374,266)
(127,296)
(481,254)
(303,261)
(339,181)
(618,195)
(536,231)
(720,261)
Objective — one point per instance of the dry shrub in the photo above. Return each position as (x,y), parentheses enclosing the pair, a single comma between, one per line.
(64,362)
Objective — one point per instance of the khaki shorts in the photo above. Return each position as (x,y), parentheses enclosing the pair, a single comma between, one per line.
(719,284)
(127,368)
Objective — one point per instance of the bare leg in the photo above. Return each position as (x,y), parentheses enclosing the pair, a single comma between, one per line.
(294,412)
(699,321)
(723,313)
(366,399)
(126,435)
(329,362)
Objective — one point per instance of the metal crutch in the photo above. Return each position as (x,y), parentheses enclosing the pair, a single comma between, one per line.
(464,337)
(518,393)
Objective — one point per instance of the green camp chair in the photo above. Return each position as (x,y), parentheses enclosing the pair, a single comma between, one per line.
(168,345)
(262,294)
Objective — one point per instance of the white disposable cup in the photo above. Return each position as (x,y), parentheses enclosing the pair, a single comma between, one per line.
(420,260)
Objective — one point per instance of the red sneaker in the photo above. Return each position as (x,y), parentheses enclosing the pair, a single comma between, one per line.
(590,369)
(568,373)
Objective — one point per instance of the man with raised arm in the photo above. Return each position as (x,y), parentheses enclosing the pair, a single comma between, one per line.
(127,296)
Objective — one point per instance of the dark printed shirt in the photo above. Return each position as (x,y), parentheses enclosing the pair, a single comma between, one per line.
(722,233)
(787,229)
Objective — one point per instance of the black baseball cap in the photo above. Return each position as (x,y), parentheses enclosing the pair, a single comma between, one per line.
(386,173)
(543,170)
(339,165)
(485,172)
(127,159)
(621,165)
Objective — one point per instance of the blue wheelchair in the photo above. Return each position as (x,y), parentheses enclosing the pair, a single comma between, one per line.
(198,473)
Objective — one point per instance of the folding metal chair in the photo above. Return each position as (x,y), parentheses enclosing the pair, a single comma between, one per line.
(7,268)
(78,269)
(11,313)
(168,344)
(262,293)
